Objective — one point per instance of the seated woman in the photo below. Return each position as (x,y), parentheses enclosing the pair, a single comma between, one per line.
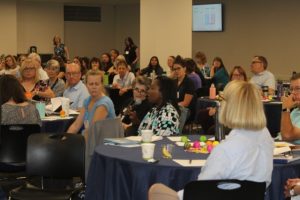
(170,63)
(138,107)
(96,107)
(247,153)
(190,71)
(185,86)
(163,118)
(219,74)
(205,117)
(34,88)
(15,109)
(11,66)
(56,84)
(153,67)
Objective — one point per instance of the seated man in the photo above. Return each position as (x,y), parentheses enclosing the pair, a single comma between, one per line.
(262,77)
(290,121)
(76,91)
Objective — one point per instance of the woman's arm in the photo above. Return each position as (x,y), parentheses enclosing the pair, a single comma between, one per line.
(100,114)
(67,53)
(77,124)
(186,101)
(48,93)
(137,52)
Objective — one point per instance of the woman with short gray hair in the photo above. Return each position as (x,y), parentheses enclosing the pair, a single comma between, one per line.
(56,84)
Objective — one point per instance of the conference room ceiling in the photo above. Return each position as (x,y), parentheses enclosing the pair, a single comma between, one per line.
(103,2)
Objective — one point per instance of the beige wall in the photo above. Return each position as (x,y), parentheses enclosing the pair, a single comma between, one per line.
(94,38)
(270,28)
(8,21)
(165,29)
(37,23)
(127,24)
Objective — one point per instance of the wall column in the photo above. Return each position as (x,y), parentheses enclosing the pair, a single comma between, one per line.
(165,29)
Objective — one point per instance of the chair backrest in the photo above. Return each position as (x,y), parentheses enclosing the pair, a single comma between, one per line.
(13,142)
(107,128)
(273,116)
(56,155)
(225,190)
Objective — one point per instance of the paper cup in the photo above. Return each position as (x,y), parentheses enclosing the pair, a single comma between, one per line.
(148,150)
(147,135)
(65,106)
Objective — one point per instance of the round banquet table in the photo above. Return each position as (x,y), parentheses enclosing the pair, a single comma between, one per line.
(120,173)
(57,124)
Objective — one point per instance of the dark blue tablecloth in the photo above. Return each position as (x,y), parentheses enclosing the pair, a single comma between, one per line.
(120,173)
(57,126)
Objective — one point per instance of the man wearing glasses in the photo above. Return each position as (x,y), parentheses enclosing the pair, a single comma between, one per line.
(262,77)
(76,91)
(290,120)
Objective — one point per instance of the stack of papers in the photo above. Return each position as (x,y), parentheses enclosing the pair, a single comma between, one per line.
(139,138)
(283,154)
(190,163)
(121,142)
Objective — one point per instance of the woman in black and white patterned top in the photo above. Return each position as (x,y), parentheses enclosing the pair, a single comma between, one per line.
(163,118)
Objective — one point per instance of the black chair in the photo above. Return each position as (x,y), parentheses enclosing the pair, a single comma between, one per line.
(273,116)
(13,145)
(57,160)
(13,142)
(220,189)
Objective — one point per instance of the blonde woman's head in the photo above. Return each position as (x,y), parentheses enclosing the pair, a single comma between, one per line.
(29,69)
(242,107)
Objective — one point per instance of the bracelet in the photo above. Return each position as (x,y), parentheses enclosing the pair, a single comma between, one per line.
(286,110)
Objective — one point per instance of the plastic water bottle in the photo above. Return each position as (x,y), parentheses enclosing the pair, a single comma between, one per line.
(219,128)
(279,90)
(105,79)
(212,92)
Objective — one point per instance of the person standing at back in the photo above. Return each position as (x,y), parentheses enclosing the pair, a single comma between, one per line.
(60,49)
(131,53)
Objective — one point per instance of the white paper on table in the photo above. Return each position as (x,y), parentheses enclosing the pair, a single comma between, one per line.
(73,112)
(176,138)
(190,163)
(124,145)
(56,103)
(283,144)
(139,138)
(52,118)
(281,150)
(213,138)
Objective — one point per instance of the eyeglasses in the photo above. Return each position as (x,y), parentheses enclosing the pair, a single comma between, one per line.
(141,91)
(29,68)
(253,62)
(72,74)
(237,75)
(177,68)
(295,89)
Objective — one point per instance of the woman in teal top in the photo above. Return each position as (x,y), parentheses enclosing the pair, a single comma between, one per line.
(96,107)
(219,74)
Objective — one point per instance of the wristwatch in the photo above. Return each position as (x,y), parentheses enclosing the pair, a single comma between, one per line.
(286,110)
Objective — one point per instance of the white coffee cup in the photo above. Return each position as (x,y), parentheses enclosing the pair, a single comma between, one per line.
(147,135)
(148,150)
(65,106)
